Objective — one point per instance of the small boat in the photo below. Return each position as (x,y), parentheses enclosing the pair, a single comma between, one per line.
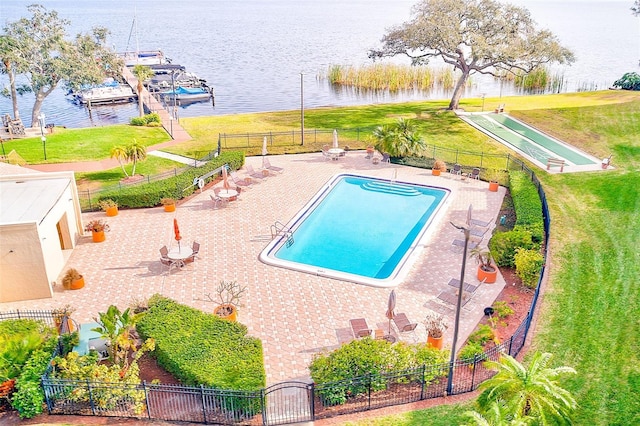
(148,58)
(106,93)
(188,93)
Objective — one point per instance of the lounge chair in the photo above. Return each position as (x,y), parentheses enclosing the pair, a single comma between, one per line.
(267,166)
(238,181)
(457,169)
(460,243)
(360,327)
(325,152)
(253,173)
(403,324)
(475,173)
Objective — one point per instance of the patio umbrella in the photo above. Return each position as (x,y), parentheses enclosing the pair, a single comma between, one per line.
(391,305)
(335,138)
(225,178)
(176,231)
(264,149)
(469,214)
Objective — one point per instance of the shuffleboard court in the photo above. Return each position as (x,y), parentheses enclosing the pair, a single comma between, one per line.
(530,142)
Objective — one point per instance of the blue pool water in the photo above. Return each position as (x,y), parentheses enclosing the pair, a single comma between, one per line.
(357,229)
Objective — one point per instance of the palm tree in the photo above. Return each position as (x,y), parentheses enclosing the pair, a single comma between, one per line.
(142,73)
(136,152)
(400,139)
(384,137)
(531,391)
(496,415)
(120,153)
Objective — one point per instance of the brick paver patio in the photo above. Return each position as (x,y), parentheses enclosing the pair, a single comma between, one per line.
(295,314)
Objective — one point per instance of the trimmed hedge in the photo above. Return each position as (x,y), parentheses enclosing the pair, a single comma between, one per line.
(150,194)
(503,245)
(527,204)
(203,349)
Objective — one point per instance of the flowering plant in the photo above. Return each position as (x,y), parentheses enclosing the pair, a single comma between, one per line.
(96,225)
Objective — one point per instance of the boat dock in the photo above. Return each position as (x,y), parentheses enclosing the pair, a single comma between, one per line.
(170,124)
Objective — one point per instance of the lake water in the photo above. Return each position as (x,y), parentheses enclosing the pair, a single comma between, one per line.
(253,52)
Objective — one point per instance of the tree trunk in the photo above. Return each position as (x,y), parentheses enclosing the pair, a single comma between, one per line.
(37,104)
(14,92)
(457,93)
(140,101)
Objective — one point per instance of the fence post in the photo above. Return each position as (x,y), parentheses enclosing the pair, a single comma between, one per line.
(262,407)
(481,158)
(46,387)
(312,400)
(473,372)
(93,408)
(204,405)
(146,398)
(369,393)
(422,382)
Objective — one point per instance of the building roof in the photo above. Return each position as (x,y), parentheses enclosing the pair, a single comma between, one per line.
(30,199)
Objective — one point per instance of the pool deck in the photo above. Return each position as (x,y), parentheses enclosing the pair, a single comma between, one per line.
(295,314)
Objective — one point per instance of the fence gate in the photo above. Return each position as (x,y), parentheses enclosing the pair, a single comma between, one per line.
(288,402)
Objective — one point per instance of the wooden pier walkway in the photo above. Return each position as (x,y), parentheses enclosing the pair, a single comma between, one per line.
(172,127)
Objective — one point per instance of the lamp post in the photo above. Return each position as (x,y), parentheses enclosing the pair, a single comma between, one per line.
(452,360)
(302,108)
(483,96)
(42,136)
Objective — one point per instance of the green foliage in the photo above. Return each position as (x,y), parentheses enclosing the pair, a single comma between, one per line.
(117,328)
(471,350)
(150,194)
(138,121)
(629,81)
(400,139)
(484,334)
(202,349)
(68,341)
(151,120)
(18,340)
(501,309)
(503,245)
(528,264)
(89,375)
(356,367)
(527,204)
(28,398)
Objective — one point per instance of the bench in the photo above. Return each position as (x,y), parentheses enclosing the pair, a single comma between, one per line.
(499,109)
(555,162)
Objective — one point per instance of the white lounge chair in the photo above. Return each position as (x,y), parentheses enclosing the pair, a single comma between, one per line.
(267,166)
(253,173)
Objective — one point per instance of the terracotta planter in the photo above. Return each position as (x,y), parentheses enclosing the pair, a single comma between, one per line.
(435,172)
(493,186)
(169,208)
(435,342)
(489,277)
(112,211)
(227,312)
(98,236)
(77,284)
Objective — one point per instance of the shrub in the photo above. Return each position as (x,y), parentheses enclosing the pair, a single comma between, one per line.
(153,117)
(150,194)
(484,334)
(501,309)
(503,245)
(527,205)
(29,396)
(470,351)
(629,81)
(138,121)
(202,349)
(528,264)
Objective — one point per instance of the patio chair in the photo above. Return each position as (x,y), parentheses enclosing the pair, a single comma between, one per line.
(475,173)
(195,247)
(164,256)
(386,158)
(325,152)
(403,325)
(457,169)
(360,328)
(253,173)
(217,201)
(238,181)
(267,165)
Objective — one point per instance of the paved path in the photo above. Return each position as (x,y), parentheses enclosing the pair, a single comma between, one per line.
(295,314)
(177,158)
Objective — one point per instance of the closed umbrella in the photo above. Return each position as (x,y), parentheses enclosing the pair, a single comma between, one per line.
(391,305)
(225,178)
(335,138)
(264,149)
(176,231)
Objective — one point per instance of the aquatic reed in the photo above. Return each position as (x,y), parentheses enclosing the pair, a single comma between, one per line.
(392,77)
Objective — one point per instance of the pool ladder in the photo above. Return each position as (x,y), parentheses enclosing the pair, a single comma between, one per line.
(278,229)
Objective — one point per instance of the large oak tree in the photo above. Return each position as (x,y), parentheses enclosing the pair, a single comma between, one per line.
(40,50)
(475,36)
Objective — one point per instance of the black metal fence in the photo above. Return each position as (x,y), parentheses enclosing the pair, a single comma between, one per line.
(287,402)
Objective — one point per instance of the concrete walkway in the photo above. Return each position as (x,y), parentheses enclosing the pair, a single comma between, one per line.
(295,314)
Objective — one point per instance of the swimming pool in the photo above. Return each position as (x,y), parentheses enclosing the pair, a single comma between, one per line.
(357,228)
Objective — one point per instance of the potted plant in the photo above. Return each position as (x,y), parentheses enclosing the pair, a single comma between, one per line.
(97,227)
(109,206)
(228,294)
(72,280)
(62,319)
(487,271)
(439,166)
(169,204)
(495,177)
(436,327)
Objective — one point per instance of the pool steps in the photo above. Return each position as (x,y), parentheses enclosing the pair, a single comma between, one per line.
(390,188)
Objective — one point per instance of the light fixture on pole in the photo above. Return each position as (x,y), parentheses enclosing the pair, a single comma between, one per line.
(302,108)
(42,136)
(452,361)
